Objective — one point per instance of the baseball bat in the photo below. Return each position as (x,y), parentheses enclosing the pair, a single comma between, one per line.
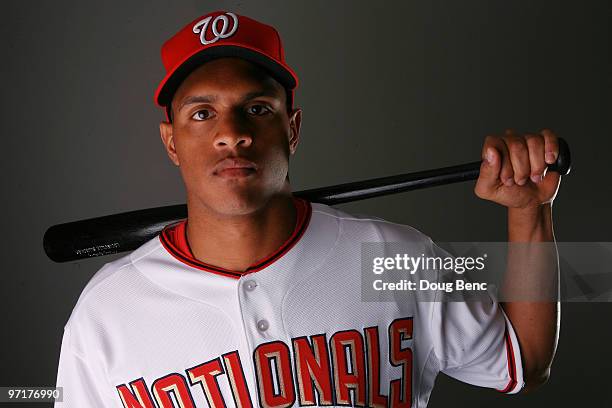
(127,231)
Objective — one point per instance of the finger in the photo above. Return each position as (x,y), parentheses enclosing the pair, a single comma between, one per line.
(535,145)
(519,158)
(488,179)
(551,146)
(506,175)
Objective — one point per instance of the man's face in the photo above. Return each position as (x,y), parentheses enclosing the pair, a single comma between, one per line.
(231,136)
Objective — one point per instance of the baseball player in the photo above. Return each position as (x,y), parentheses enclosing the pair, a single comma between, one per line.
(254,299)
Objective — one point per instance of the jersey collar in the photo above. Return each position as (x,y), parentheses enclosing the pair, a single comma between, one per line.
(174,240)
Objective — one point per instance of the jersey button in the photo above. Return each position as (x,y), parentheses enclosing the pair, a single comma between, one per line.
(262,325)
(250,285)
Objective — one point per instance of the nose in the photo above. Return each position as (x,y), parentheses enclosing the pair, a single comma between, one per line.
(232,132)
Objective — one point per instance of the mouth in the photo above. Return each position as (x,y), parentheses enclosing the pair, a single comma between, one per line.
(235,167)
(235,172)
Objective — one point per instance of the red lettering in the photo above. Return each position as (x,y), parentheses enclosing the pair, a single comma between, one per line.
(204,374)
(238,384)
(275,352)
(401,390)
(176,385)
(139,399)
(375,399)
(312,370)
(345,377)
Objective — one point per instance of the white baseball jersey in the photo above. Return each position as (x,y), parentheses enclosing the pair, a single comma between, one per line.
(158,328)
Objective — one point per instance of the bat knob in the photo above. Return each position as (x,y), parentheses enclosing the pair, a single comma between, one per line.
(563,164)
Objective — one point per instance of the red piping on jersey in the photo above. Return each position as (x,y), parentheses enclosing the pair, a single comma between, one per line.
(174,239)
(511,362)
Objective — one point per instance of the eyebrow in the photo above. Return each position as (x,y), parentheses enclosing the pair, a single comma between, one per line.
(190,100)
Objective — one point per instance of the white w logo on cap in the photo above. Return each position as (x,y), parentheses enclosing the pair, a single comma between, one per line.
(202,26)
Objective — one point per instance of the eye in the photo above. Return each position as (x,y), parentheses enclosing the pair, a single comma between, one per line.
(258,110)
(202,114)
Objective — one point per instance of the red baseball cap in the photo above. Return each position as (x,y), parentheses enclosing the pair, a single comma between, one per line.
(222,34)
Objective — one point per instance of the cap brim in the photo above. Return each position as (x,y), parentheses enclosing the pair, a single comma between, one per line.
(173,79)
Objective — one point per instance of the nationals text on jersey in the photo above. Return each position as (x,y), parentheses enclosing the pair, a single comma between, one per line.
(344,370)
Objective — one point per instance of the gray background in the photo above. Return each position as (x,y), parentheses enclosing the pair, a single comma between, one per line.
(386,87)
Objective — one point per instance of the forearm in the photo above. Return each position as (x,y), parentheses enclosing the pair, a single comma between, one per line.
(530,289)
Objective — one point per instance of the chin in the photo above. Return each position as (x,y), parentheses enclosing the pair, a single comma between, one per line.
(237,202)
(236,197)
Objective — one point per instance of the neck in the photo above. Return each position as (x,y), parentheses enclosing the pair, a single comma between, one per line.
(236,242)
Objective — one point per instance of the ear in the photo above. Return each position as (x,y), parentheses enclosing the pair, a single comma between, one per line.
(295,121)
(166,131)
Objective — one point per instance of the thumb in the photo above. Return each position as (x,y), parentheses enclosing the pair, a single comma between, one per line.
(550,184)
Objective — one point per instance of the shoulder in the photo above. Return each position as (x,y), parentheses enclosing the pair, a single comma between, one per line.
(367,228)
(112,282)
